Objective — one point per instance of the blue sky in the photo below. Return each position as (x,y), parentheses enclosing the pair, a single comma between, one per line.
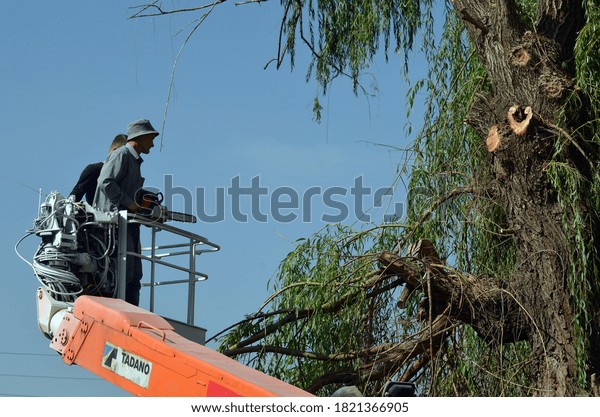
(75,73)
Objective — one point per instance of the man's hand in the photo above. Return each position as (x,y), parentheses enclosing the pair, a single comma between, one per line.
(134,208)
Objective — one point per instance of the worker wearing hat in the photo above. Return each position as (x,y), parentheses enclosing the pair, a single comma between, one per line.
(88,180)
(119,180)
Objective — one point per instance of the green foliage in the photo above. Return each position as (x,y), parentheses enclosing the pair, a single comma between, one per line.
(474,369)
(473,239)
(568,182)
(325,282)
(579,195)
(527,12)
(448,155)
(587,58)
(345,36)
(317,108)
(465,229)
(324,285)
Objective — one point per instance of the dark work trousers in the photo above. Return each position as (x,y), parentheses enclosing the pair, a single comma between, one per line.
(133,266)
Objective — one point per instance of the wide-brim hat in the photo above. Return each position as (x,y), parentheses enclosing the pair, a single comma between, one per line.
(140,128)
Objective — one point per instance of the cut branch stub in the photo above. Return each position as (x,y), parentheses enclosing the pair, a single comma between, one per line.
(519,127)
(494,139)
(423,249)
(520,57)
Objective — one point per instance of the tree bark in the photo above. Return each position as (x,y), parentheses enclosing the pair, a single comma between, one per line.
(525,71)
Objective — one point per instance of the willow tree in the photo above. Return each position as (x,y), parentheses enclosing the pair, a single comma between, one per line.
(489,286)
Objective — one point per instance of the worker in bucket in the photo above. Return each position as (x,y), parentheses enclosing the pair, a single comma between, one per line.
(88,180)
(119,180)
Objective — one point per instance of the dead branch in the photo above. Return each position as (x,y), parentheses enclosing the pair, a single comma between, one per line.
(160,12)
(344,376)
(394,358)
(302,313)
(292,352)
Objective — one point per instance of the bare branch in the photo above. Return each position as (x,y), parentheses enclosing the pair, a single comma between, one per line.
(396,357)
(387,358)
(241,3)
(160,12)
(292,352)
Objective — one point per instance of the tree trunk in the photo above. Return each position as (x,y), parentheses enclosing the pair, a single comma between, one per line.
(526,72)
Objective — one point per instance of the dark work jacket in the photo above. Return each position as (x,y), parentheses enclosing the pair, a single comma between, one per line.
(87,183)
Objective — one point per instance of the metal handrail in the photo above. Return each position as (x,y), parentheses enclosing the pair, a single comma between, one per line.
(191,241)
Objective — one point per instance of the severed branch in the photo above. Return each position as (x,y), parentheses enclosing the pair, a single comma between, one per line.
(346,376)
(480,302)
(292,352)
(390,360)
(451,299)
(302,313)
(409,348)
(518,122)
(383,360)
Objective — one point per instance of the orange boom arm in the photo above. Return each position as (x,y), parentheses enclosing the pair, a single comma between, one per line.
(140,352)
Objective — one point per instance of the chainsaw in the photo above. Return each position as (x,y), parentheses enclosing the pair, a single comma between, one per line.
(152,208)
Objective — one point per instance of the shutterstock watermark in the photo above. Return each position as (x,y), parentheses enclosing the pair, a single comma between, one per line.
(252,201)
